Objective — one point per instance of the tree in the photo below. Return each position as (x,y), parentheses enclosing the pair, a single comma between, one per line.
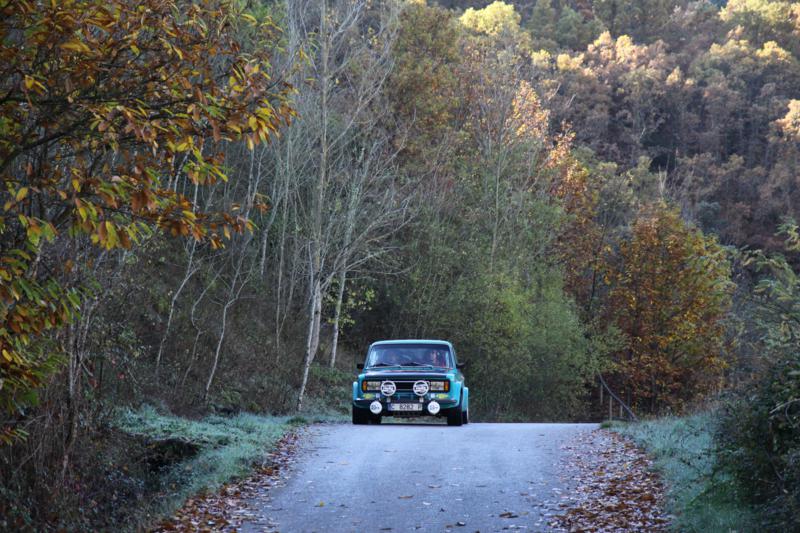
(765,20)
(496,19)
(576,32)
(349,200)
(669,292)
(641,19)
(105,107)
(542,24)
(423,88)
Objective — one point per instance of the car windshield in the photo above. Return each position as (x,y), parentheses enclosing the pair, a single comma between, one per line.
(437,355)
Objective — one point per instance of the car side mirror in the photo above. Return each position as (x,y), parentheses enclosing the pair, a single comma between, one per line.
(461,366)
(360,366)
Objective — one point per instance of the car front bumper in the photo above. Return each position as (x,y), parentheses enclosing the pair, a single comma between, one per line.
(445,402)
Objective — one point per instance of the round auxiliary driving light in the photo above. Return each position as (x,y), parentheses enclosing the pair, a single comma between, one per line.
(421,388)
(376,408)
(388,388)
(433,407)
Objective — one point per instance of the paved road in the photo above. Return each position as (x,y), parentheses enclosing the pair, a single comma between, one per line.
(414,477)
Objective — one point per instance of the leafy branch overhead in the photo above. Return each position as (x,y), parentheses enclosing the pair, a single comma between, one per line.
(103,105)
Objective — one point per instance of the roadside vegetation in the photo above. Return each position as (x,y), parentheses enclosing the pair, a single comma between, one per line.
(736,467)
(200,455)
(701,495)
(190,456)
(151,462)
(213,207)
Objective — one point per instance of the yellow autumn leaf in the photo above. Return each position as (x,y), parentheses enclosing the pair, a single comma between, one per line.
(111,239)
(76,46)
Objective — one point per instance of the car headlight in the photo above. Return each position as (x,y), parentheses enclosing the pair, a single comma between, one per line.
(440,386)
(370,385)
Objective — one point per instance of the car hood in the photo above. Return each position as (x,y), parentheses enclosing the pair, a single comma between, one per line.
(407,374)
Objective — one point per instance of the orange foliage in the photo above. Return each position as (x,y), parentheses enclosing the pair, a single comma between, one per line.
(670,290)
(581,239)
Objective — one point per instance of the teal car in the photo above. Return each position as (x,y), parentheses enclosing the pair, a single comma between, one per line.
(411,378)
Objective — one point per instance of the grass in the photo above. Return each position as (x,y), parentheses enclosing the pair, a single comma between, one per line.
(226,447)
(700,497)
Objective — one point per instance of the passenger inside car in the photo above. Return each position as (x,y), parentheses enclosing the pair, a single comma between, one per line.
(438,358)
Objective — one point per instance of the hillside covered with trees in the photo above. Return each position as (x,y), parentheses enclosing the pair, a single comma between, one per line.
(215,206)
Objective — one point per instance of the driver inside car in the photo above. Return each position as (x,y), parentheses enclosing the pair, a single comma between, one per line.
(438,358)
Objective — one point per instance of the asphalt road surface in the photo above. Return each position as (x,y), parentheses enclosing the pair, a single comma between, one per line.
(415,477)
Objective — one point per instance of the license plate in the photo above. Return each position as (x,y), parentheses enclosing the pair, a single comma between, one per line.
(405,407)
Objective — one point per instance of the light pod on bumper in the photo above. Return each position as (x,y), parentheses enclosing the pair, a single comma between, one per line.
(421,388)
(376,407)
(434,407)
(388,388)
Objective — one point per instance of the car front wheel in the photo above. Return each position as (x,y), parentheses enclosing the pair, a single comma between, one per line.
(454,417)
(360,417)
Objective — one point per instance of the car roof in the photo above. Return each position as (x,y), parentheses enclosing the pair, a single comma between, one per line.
(412,341)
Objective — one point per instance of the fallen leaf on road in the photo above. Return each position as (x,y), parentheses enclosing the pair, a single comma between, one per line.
(615,487)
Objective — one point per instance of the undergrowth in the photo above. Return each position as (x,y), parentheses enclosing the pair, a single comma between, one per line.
(214,450)
(700,496)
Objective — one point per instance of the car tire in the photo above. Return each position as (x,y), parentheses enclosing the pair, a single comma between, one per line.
(465,417)
(360,417)
(454,417)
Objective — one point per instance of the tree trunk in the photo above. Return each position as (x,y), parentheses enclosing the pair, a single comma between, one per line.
(313,321)
(190,271)
(315,259)
(217,351)
(336,315)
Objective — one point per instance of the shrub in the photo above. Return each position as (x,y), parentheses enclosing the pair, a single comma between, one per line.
(759,440)
(759,437)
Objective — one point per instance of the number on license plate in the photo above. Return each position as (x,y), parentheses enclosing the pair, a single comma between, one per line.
(405,406)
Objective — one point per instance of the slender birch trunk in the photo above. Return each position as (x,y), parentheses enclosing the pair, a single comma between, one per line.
(336,315)
(312,341)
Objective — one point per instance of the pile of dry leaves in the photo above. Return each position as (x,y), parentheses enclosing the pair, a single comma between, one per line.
(615,488)
(227,508)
